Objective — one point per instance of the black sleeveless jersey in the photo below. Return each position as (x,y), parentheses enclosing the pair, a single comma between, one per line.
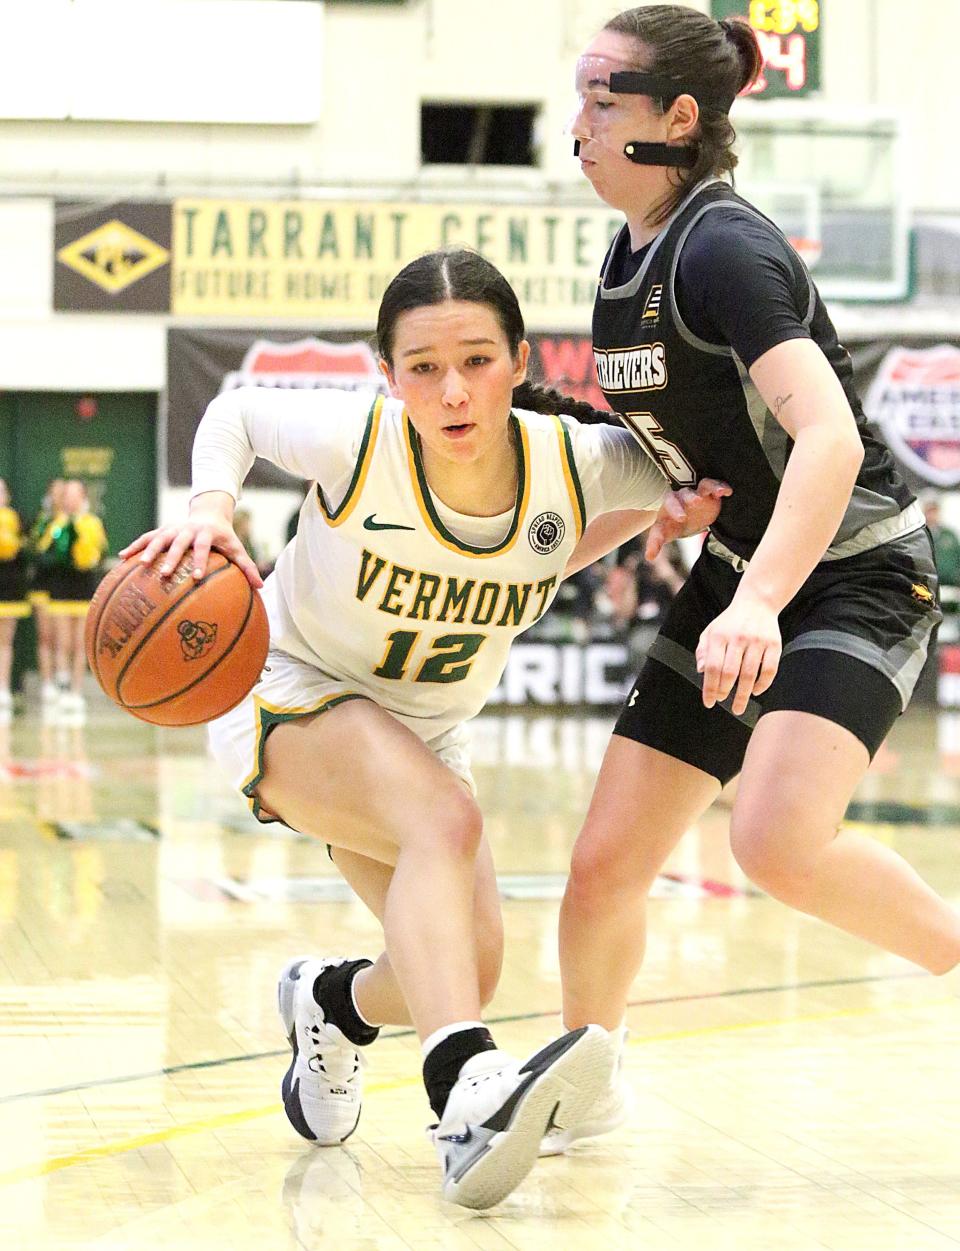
(692,403)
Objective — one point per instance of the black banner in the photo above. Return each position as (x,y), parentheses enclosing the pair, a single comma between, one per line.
(910,390)
(910,387)
(202,363)
(112,257)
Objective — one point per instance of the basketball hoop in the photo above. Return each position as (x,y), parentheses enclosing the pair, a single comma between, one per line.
(810,250)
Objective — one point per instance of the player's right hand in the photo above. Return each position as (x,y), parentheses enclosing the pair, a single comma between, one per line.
(740,648)
(207,528)
(686,512)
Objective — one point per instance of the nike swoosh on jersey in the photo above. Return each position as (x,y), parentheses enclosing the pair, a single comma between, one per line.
(369,523)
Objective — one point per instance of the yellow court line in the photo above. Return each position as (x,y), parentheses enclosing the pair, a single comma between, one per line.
(783,1021)
(44,1168)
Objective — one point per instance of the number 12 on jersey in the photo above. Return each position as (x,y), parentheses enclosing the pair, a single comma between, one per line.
(667,455)
(449,660)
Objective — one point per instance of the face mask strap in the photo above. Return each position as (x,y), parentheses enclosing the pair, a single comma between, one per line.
(654,154)
(660,154)
(596,72)
(640,83)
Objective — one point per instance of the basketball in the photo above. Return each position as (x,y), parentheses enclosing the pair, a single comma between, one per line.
(176,650)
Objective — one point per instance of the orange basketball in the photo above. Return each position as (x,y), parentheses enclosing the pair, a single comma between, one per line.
(176,650)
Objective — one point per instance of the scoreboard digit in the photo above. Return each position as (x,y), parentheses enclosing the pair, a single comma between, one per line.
(788,32)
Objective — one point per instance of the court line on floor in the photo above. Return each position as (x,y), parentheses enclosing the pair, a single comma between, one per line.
(43,1168)
(702,997)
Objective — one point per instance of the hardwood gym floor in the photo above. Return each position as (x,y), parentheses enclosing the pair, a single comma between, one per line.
(795,1089)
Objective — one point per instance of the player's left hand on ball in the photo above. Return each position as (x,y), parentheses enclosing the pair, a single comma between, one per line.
(739,649)
(686,512)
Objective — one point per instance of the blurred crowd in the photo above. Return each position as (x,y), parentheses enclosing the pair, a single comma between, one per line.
(946,544)
(622,599)
(49,571)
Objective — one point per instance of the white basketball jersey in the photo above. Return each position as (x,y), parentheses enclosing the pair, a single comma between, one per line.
(379,593)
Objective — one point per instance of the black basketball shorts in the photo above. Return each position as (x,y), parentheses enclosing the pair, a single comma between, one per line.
(855,638)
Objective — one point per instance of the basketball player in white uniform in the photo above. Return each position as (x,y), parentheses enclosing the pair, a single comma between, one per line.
(440,526)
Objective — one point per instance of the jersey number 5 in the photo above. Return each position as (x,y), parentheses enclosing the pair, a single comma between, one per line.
(667,455)
(449,661)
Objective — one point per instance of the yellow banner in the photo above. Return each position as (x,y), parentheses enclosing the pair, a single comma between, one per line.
(332,260)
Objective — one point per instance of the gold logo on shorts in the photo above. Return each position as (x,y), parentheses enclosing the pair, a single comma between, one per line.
(922,593)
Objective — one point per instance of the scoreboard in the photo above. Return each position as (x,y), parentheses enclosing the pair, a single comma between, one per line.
(789,35)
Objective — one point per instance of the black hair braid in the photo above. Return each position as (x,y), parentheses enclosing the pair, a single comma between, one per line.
(537,399)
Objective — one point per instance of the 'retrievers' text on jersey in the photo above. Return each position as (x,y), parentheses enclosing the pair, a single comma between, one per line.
(692,403)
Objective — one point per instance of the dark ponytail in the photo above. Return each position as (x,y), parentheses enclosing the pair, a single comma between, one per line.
(741,34)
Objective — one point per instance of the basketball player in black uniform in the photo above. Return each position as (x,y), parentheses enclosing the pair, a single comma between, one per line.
(800,634)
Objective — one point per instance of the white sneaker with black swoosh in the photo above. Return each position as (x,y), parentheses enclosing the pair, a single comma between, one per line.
(489,1135)
(611,1108)
(323,1087)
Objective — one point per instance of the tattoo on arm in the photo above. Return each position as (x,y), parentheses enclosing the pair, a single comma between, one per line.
(780,403)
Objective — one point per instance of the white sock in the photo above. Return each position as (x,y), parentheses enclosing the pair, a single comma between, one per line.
(444,1032)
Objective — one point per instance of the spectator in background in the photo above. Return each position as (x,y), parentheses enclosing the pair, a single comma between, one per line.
(946,544)
(294,521)
(243,528)
(577,598)
(71,549)
(39,593)
(639,590)
(13,594)
(243,525)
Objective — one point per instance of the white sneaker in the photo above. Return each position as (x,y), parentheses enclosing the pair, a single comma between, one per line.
(611,1108)
(499,1110)
(323,1087)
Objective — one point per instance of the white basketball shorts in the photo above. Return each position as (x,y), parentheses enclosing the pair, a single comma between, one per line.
(290,688)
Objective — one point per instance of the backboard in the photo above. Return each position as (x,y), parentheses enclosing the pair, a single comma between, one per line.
(833,182)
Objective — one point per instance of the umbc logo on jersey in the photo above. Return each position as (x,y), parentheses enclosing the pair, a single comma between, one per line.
(651,310)
(114,256)
(308,363)
(915,399)
(196,638)
(546,533)
(641,368)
